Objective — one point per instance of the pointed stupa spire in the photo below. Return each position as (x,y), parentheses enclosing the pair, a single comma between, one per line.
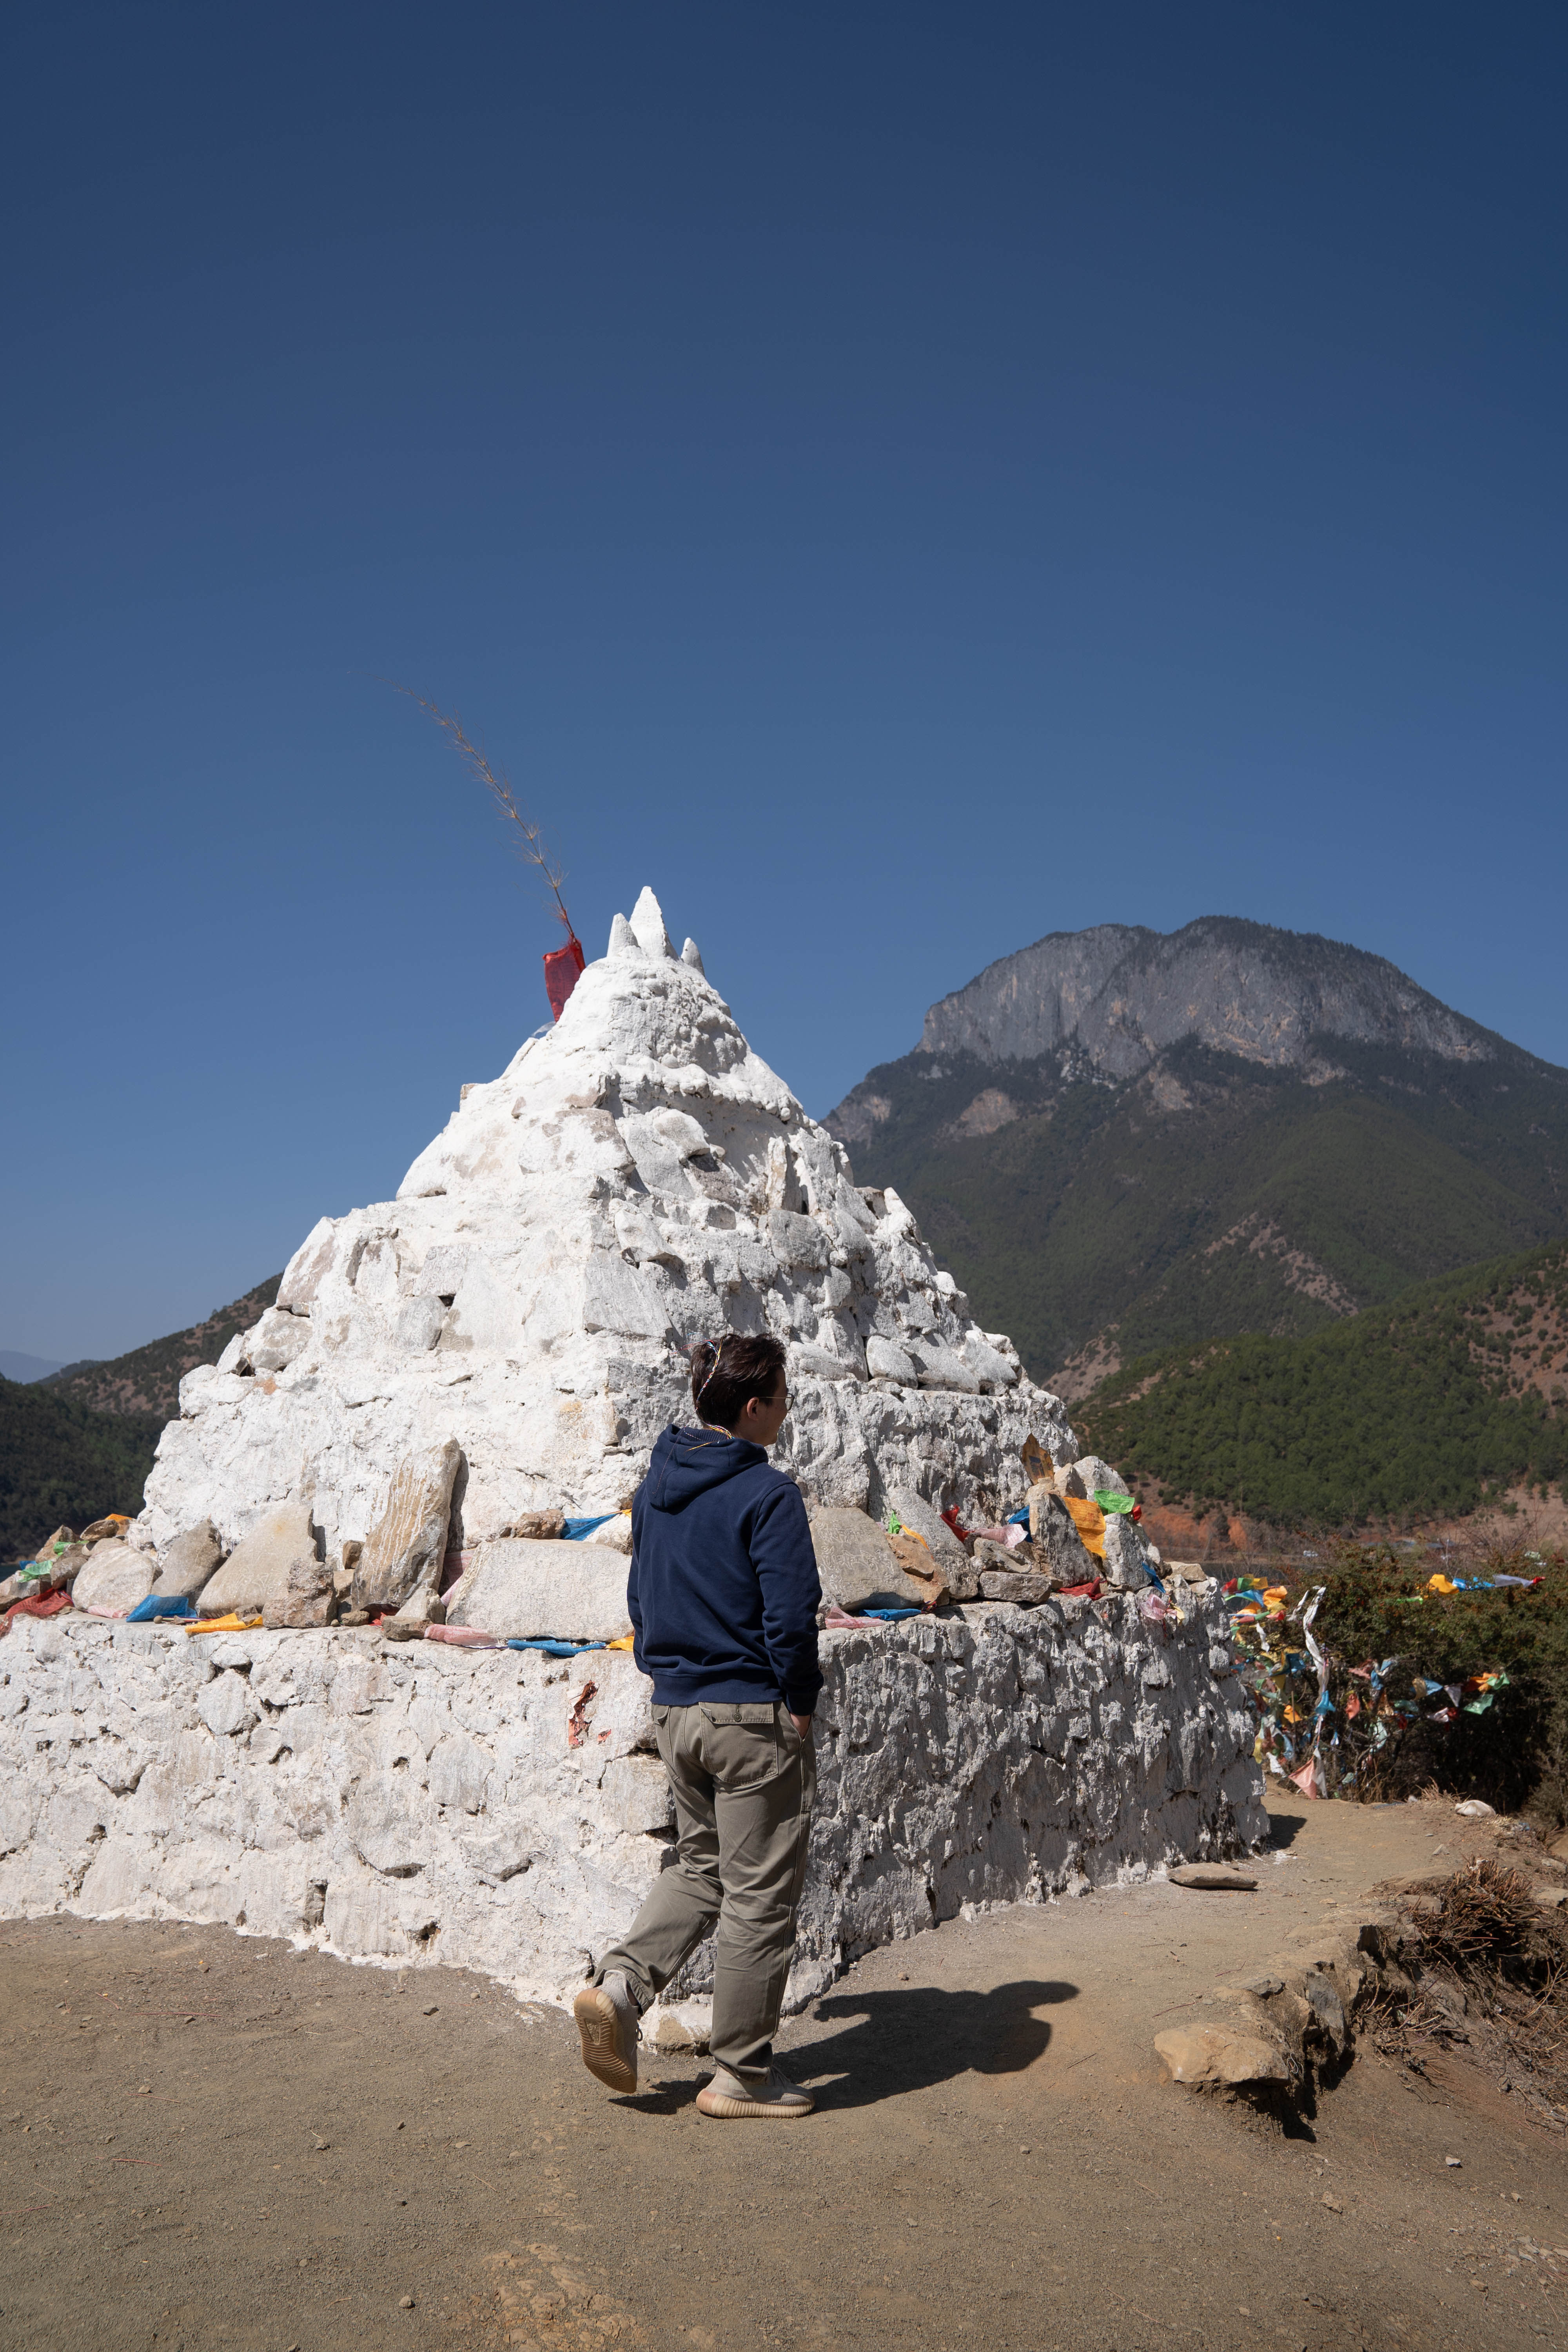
(647,922)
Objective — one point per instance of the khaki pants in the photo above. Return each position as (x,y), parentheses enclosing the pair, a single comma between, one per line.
(742,1779)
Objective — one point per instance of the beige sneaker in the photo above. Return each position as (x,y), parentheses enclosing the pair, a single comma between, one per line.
(777,2100)
(607,2018)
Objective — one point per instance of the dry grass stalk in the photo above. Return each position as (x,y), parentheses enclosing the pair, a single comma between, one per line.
(530,845)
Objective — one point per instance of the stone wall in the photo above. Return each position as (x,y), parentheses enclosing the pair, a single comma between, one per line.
(503,1811)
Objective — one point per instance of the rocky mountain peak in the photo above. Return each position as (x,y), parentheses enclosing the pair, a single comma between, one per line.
(1120,995)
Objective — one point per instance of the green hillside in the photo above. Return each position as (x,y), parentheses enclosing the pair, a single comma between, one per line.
(1212,1195)
(147,1380)
(81,1443)
(61,1461)
(1453,1393)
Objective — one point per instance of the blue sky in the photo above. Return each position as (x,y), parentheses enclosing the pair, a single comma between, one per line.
(899,479)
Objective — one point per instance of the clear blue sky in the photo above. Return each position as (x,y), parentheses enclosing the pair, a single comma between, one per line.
(901,479)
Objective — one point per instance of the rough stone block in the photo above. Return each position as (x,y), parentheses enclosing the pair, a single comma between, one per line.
(1088,1475)
(257,1570)
(226,1707)
(307,1598)
(856,1564)
(1209,2057)
(406,1546)
(885,1361)
(114,1578)
(1124,1555)
(576,1591)
(929,1524)
(1060,1550)
(635,1790)
(1024,1589)
(621,1298)
(276,1340)
(679,2025)
(188,1563)
(798,1241)
(111,1529)
(941,1368)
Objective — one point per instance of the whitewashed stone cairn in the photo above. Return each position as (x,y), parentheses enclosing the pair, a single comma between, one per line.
(637,1177)
(503,1339)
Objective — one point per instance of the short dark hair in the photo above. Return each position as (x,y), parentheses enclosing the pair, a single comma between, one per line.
(726,1376)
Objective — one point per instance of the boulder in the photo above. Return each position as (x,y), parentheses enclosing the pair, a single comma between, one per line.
(407,1545)
(929,1524)
(616,1533)
(257,1570)
(576,1591)
(856,1565)
(1023,1586)
(1213,1878)
(1211,2058)
(307,1598)
(58,1574)
(190,1560)
(1088,1475)
(1057,1546)
(114,1580)
(541,1525)
(990,1554)
(59,1541)
(1124,1555)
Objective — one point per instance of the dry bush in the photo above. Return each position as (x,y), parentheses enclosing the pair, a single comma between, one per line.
(1490,1963)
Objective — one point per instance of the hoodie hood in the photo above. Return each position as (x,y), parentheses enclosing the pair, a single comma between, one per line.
(688,1462)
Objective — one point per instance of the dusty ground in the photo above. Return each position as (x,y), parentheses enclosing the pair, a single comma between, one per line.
(210,2141)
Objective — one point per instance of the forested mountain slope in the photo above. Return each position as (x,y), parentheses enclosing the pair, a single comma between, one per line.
(1431,1406)
(61,1464)
(81,1443)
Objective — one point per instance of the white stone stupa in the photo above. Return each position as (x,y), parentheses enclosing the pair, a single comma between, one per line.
(503,1338)
(636,1179)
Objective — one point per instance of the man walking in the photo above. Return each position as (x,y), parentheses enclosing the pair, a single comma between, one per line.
(723,1595)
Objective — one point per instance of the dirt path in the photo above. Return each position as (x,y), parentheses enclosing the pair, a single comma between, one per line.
(208,2141)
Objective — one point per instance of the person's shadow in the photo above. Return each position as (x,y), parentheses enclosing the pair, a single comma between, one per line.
(907,2040)
(1284,1827)
(902,2041)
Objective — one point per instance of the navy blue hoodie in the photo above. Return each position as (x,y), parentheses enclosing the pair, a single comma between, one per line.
(723,1591)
